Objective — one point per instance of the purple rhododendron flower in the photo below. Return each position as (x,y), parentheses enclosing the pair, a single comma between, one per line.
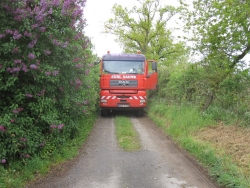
(77,12)
(47,52)
(3,161)
(79,65)
(72,25)
(56,3)
(18,18)
(60,126)
(55,72)
(2,128)
(87,72)
(83,3)
(17,61)
(34,26)
(32,43)
(12,120)
(27,34)
(78,36)
(76,59)
(2,36)
(16,35)
(33,66)
(15,50)
(65,7)
(65,44)
(15,32)
(16,69)
(53,126)
(43,29)
(28,95)
(56,42)
(8,31)
(32,56)
(16,111)
(78,83)
(26,156)
(48,73)
(24,68)
(42,92)
(50,11)
(23,139)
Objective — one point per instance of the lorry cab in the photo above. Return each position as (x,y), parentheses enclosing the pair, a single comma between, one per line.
(124,81)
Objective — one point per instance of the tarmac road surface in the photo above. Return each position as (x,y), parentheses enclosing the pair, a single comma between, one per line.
(102,164)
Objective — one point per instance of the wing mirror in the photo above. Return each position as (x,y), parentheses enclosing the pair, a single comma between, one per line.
(154,66)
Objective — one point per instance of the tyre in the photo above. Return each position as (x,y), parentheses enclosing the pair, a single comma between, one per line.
(104,113)
(140,112)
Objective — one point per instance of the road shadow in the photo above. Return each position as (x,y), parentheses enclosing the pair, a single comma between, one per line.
(125,113)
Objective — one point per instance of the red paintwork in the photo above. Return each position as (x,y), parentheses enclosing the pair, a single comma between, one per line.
(126,97)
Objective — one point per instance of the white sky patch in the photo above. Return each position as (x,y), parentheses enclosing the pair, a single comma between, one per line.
(96,12)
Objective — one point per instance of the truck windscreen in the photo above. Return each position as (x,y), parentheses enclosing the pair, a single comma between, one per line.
(123,67)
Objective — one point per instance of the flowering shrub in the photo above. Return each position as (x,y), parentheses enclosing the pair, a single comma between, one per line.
(45,75)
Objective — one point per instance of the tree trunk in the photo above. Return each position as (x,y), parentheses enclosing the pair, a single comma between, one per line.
(209,100)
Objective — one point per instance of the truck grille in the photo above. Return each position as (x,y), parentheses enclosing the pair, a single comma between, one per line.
(124,83)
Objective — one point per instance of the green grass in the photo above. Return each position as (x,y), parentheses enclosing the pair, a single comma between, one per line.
(19,174)
(127,136)
(181,122)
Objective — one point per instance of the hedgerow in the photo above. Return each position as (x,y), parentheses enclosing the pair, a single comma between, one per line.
(45,75)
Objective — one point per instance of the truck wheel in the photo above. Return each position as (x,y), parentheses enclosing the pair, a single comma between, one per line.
(104,113)
(140,112)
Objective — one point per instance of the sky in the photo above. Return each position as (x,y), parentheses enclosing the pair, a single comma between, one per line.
(96,12)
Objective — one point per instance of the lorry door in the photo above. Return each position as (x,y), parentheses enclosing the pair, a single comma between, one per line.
(152,76)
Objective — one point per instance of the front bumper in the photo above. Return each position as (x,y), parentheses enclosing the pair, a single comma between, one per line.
(123,101)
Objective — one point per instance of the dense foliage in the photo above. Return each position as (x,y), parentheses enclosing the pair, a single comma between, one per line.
(46,83)
(215,83)
(221,38)
(217,78)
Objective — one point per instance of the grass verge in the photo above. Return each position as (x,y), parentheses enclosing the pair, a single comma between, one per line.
(20,174)
(182,123)
(126,134)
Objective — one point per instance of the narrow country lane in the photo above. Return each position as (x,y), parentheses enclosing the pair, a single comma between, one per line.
(102,164)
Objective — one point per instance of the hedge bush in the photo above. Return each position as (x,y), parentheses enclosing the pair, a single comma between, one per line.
(45,75)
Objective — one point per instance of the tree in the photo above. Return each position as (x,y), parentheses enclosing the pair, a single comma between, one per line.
(144,28)
(220,33)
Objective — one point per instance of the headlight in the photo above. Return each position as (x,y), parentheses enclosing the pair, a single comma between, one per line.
(143,100)
(103,101)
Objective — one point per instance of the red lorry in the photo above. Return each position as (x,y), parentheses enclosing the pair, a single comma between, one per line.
(124,81)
